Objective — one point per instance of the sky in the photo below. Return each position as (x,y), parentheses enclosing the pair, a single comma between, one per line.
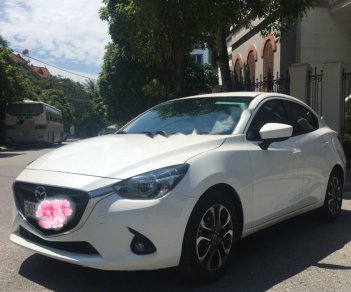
(65,33)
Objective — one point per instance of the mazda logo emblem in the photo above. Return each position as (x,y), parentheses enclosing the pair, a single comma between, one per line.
(40,193)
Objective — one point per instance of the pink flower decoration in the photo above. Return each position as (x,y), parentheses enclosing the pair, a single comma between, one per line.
(53,213)
(44,224)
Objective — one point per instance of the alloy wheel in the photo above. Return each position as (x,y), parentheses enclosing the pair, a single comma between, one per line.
(214,237)
(334,195)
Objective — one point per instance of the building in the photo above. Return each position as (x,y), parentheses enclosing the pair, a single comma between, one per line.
(19,60)
(37,70)
(203,56)
(41,71)
(311,61)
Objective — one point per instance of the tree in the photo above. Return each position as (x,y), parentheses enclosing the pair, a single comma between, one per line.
(14,82)
(198,79)
(3,42)
(55,97)
(156,33)
(121,83)
(164,32)
(277,15)
(81,105)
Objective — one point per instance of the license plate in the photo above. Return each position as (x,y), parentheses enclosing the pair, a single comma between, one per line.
(29,209)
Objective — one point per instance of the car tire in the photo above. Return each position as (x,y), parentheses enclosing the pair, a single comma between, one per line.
(60,141)
(333,197)
(208,242)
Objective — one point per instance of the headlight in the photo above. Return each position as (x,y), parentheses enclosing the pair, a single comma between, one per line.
(153,184)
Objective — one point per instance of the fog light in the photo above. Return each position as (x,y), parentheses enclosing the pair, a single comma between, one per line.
(140,244)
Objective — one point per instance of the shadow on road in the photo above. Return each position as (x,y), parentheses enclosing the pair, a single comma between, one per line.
(262,261)
(32,146)
(9,154)
(13,149)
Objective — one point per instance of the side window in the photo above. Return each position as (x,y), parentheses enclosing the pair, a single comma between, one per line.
(301,118)
(271,111)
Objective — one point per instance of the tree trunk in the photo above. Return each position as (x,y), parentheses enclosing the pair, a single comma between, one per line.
(223,59)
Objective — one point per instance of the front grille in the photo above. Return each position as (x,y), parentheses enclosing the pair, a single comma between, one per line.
(26,192)
(80,247)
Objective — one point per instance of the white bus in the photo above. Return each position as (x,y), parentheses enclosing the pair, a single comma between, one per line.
(33,121)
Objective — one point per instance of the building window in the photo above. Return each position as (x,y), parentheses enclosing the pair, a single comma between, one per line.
(237,71)
(197,59)
(268,60)
(251,63)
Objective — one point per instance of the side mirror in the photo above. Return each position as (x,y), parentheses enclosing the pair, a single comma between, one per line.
(274,132)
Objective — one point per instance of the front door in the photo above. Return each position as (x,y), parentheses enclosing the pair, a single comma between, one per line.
(278,171)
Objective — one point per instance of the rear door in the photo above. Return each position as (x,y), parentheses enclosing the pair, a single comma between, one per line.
(315,144)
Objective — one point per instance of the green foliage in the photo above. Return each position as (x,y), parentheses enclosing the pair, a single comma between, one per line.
(198,79)
(81,105)
(14,83)
(78,103)
(121,85)
(55,97)
(3,42)
(162,33)
(156,33)
(154,89)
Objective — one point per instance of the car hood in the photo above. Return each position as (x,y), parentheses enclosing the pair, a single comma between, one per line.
(123,156)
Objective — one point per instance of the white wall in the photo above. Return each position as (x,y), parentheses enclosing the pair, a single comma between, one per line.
(325,37)
(205,55)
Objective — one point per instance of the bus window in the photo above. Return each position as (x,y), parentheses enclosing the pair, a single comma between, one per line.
(18,109)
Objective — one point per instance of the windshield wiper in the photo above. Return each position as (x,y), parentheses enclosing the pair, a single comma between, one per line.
(147,133)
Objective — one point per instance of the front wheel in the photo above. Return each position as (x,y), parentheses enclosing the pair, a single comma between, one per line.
(210,237)
(333,197)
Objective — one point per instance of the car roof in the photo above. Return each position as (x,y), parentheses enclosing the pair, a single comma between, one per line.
(228,94)
(257,97)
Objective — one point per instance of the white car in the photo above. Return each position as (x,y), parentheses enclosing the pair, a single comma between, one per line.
(180,184)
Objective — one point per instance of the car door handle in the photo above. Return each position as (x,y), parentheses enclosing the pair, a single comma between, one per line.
(326,142)
(296,152)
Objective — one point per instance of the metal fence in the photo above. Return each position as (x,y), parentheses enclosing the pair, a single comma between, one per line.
(315,92)
(346,101)
(280,84)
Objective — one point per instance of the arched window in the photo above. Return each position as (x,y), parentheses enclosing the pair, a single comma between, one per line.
(268,60)
(237,71)
(251,62)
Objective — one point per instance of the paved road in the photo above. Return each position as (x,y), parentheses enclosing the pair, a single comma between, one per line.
(302,254)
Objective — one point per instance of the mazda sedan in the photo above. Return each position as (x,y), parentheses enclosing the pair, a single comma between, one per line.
(180,184)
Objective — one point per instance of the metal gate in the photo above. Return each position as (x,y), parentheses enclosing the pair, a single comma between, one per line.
(346,101)
(280,84)
(315,92)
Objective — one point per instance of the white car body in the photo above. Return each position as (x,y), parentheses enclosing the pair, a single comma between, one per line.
(272,185)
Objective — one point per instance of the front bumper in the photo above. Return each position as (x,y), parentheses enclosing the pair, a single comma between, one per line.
(162,221)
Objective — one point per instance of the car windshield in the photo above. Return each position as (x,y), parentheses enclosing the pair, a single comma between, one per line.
(203,116)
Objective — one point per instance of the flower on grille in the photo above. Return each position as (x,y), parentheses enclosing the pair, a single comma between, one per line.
(52,214)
